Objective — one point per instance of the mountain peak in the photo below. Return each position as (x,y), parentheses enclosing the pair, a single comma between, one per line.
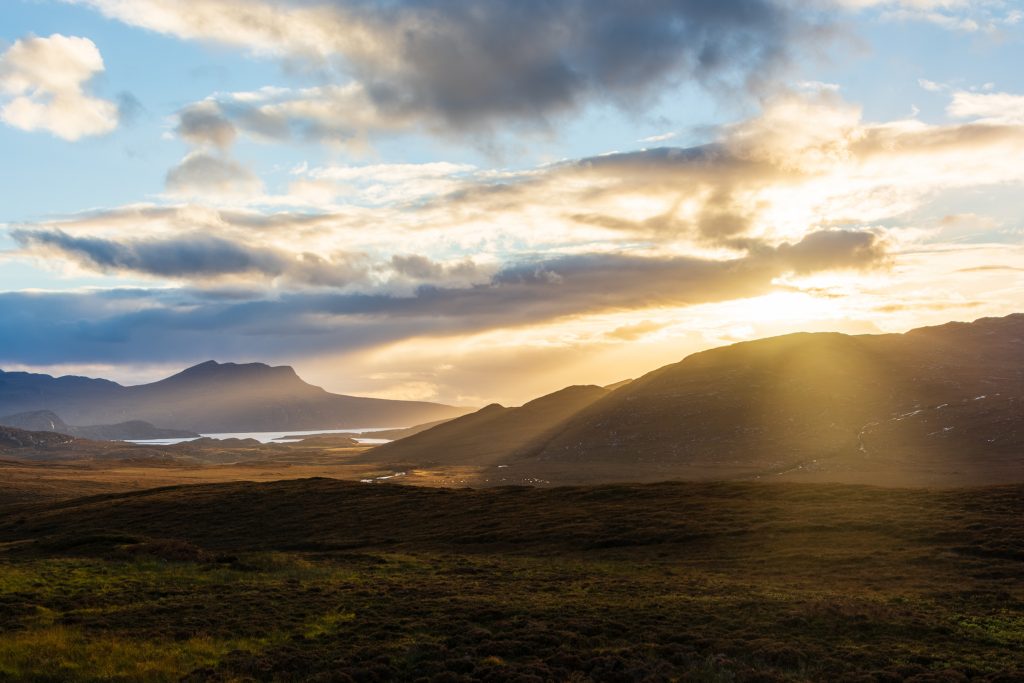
(212,369)
(212,365)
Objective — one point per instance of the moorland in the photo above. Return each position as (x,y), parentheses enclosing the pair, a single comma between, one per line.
(325,580)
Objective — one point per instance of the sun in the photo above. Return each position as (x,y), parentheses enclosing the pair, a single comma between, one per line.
(779,307)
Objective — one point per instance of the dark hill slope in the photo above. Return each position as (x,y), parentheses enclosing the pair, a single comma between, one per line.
(950,396)
(212,397)
(488,435)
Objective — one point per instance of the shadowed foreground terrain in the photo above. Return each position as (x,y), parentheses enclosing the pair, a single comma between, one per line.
(327,580)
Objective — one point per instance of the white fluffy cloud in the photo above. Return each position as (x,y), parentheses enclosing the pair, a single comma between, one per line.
(764,183)
(990,16)
(42,82)
(995,107)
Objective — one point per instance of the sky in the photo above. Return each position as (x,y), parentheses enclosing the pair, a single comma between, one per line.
(475,202)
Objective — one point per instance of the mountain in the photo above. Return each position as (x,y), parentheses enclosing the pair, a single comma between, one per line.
(488,435)
(48,421)
(940,405)
(212,397)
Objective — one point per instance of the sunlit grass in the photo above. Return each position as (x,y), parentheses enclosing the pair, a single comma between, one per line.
(62,653)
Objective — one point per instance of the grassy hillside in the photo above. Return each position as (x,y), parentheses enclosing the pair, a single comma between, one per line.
(333,581)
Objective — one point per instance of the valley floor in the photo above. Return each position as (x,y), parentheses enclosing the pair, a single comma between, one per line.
(36,482)
(327,580)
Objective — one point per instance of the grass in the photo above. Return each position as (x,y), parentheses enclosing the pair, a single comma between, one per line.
(326,581)
(62,653)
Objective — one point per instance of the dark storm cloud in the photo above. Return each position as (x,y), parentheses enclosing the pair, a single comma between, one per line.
(469,63)
(474,67)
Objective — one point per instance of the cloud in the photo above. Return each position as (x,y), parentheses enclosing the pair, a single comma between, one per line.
(662,137)
(661,235)
(968,16)
(815,162)
(833,249)
(203,123)
(334,114)
(98,326)
(468,68)
(200,173)
(195,257)
(209,170)
(995,108)
(205,257)
(767,181)
(807,162)
(42,87)
(635,331)
(421,268)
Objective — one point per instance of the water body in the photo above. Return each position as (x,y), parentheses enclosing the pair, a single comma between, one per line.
(271,437)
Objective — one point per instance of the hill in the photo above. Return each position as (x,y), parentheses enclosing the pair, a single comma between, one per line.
(210,398)
(936,406)
(13,439)
(854,408)
(487,436)
(48,421)
(61,449)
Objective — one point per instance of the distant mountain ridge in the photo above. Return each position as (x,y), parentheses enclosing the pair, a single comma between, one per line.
(212,397)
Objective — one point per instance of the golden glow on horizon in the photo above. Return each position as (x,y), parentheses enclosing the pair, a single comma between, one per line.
(605,348)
